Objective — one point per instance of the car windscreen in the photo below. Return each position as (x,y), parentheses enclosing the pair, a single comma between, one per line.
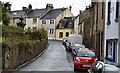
(77,47)
(89,54)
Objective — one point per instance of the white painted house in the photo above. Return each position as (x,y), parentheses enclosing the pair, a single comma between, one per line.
(111,48)
(47,18)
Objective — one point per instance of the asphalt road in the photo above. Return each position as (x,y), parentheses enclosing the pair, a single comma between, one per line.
(54,59)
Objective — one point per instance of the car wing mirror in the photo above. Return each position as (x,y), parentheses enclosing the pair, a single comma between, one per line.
(75,53)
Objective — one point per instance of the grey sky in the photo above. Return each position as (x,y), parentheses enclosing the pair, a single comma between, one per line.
(76,4)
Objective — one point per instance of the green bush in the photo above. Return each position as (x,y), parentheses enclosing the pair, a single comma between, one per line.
(38,35)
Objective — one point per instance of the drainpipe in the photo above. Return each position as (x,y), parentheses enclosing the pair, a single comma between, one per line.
(119,39)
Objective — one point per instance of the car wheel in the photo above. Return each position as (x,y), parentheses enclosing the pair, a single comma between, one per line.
(75,69)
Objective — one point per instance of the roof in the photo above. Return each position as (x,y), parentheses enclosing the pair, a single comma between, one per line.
(17,13)
(68,23)
(44,13)
(23,13)
(36,12)
(53,14)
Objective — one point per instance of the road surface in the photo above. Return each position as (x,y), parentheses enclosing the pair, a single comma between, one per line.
(54,59)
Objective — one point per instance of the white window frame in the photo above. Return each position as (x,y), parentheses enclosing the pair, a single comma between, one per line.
(34,20)
(43,21)
(51,21)
(34,28)
(51,31)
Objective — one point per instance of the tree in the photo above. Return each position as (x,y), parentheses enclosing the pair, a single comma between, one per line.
(6,7)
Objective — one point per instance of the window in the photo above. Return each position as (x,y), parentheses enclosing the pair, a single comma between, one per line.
(67,34)
(51,21)
(86,54)
(25,20)
(117,11)
(109,10)
(61,35)
(34,20)
(111,47)
(28,28)
(34,28)
(102,9)
(51,31)
(43,21)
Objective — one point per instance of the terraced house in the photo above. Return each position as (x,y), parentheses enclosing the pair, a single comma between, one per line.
(112,49)
(47,18)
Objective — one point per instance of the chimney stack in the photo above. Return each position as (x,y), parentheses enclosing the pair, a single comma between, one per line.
(30,7)
(70,8)
(49,6)
(24,8)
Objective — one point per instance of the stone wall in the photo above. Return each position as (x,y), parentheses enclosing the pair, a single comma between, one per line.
(13,57)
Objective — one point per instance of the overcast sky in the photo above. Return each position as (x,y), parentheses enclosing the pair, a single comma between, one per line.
(76,4)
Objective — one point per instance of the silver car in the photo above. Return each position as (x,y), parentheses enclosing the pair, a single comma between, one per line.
(100,67)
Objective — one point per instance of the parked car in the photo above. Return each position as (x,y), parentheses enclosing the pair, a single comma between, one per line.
(68,46)
(73,39)
(100,67)
(76,47)
(84,59)
(64,41)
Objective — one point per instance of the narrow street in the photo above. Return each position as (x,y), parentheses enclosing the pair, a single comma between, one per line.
(54,59)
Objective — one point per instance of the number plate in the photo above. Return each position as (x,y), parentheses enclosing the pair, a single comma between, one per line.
(86,65)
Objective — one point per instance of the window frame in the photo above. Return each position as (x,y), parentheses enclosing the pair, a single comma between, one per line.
(51,21)
(34,28)
(114,47)
(103,9)
(43,21)
(109,13)
(60,33)
(51,31)
(34,20)
(117,11)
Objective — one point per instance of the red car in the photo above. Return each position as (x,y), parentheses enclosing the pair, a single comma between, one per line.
(84,59)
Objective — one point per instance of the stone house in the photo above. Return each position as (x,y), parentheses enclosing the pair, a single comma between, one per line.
(97,20)
(47,18)
(84,26)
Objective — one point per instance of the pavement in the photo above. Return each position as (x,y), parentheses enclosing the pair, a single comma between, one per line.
(119,70)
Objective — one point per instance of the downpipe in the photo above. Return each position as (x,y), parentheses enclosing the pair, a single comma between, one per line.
(119,38)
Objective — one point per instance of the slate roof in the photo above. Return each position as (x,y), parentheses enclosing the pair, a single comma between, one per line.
(32,13)
(53,13)
(36,13)
(68,23)
(17,13)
